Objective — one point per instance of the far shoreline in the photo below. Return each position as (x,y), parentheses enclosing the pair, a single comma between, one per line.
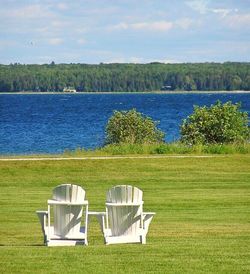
(127,92)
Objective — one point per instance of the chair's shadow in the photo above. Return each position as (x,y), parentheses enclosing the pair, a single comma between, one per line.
(28,245)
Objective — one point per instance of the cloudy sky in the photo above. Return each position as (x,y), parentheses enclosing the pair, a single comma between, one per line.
(138,31)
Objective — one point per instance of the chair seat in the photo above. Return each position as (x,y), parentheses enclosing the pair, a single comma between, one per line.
(123,239)
(80,235)
(64,242)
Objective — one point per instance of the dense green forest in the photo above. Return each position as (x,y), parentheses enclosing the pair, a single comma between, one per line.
(125,77)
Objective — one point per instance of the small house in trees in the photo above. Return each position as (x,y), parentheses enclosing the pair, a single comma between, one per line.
(69,89)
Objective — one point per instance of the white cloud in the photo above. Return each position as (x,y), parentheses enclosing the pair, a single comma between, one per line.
(55,41)
(159,26)
(145,26)
(7,43)
(28,12)
(81,41)
(81,30)
(62,6)
(198,5)
(167,61)
(59,24)
(201,6)
(153,26)
(115,60)
(184,23)
(135,60)
(107,11)
(46,59)
(140,60)
(120,26)
(121,59)
(223,12)
(238,20)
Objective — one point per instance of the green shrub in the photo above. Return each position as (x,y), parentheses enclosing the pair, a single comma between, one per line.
(217,124)
(132,127)
(172,148)
(124,149)
(219,149)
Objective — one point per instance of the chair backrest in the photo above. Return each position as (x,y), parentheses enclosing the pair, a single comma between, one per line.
(125,214)
(67,218)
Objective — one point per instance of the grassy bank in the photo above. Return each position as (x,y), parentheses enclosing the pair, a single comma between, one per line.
(201,223)
(165,148)
(147,149)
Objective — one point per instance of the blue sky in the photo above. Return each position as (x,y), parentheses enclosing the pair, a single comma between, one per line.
(137,31)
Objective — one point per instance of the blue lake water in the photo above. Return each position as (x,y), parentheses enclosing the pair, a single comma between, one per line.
(53,123)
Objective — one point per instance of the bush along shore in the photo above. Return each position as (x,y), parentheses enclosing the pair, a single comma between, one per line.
(218,129)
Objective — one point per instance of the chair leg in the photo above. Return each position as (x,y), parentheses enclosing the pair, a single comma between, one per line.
(143,239)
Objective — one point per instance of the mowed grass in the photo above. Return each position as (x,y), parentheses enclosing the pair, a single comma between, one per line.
(202,222)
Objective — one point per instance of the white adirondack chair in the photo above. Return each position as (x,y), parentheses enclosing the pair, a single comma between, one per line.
(68,205)
(124,220)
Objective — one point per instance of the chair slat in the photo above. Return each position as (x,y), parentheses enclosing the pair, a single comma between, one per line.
(67,218)
(125,218)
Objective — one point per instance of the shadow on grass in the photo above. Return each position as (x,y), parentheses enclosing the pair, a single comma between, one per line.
(28,245)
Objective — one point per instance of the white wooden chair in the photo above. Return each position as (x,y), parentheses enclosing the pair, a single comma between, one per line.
(68,206)
(124,220)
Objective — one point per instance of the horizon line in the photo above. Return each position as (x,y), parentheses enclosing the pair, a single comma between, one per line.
(126,63)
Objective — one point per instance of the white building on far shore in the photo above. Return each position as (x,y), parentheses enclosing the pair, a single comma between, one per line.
(69,89)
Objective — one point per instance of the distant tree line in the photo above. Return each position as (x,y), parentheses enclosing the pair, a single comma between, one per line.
(125,77)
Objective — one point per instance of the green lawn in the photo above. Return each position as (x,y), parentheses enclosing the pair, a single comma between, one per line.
(202,222)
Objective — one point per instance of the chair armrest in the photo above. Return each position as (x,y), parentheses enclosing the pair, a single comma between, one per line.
(124,204)
(96,213)
(100,217)
(43,217)
(148,213)
(55,202)
(42,212)
(147,218)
